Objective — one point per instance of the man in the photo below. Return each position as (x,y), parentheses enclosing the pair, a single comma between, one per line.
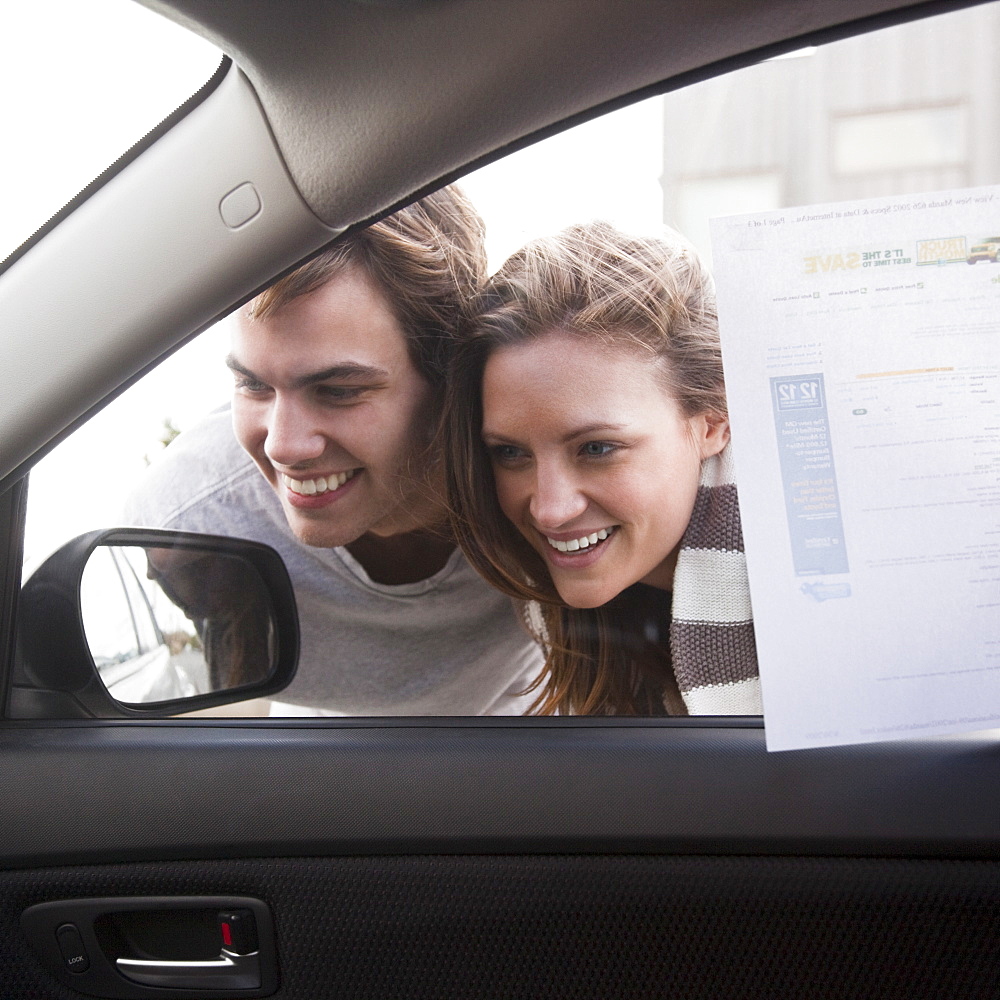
(338,371)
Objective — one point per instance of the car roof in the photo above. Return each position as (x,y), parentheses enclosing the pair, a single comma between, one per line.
(373,101)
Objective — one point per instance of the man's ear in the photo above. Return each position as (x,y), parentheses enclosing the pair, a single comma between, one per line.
(711,432)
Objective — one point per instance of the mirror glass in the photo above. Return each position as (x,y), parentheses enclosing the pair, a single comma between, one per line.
(165,623)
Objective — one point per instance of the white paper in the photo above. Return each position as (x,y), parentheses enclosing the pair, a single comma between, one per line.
(861,344)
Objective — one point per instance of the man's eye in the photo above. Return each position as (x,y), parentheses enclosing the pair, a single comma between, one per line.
(250,385)
(598,449)
(339,393)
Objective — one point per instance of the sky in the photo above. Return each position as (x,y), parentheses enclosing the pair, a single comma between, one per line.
(82,81)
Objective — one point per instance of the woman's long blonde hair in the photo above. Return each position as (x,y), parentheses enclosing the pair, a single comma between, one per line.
(652,296)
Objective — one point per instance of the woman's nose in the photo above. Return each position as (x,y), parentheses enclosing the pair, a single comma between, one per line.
(556,498)
(293,438)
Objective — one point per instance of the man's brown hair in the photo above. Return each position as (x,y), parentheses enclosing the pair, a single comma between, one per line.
(428,259)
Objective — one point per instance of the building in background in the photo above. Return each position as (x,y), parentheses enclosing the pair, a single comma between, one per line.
(903,110)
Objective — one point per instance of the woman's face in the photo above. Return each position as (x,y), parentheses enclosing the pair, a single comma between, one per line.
(595,464)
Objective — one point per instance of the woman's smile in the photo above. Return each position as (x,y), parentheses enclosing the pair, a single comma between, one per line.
(582,542)
(578,553)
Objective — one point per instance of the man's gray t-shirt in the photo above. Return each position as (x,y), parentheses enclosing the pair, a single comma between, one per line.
(447,645)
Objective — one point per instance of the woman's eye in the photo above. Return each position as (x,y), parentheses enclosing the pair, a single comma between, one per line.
(505,453)
(597,449)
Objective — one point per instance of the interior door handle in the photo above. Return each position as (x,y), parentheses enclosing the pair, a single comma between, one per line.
(227,972)
(160,947)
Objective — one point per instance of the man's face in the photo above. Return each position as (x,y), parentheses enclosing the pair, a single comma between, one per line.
(329,405)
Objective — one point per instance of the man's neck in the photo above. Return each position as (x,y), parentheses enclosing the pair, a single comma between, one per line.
(404,558)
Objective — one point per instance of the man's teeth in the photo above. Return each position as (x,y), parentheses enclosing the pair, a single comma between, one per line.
(583,542)
(310,487)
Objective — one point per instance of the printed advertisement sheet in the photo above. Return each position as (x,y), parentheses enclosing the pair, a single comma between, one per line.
(862,350)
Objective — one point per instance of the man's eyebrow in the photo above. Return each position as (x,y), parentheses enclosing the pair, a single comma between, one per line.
(234,366)
(346,371)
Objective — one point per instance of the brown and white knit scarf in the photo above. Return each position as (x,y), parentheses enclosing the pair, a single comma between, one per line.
(711,628)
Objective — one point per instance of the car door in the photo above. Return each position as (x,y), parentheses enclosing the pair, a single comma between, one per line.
(486,857)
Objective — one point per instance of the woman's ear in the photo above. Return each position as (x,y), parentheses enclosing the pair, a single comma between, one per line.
(711,431)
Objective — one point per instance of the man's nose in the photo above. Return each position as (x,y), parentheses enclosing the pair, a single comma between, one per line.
(293,437)
(556,498)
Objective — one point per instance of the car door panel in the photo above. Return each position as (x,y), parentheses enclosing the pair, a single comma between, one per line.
(527,857)
(96,792)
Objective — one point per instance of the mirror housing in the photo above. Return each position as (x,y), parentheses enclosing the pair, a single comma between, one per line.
(56,674)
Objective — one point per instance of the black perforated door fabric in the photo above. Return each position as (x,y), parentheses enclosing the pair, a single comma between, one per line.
(389,928)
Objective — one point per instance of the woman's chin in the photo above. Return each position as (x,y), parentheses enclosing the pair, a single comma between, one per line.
(586,597)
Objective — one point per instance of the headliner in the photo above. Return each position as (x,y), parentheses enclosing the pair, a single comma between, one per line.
(374,101)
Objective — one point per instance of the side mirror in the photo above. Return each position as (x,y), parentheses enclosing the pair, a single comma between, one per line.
(140,623)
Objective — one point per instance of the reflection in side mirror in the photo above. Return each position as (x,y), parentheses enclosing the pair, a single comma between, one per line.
(132,622)
(173,623)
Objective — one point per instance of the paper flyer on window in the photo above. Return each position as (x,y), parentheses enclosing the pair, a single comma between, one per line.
(861,344)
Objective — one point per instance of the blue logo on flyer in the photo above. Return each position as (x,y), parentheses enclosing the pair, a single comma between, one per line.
(819,591)
(805,453)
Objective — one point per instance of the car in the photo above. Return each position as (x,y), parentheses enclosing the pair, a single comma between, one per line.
(132,654)
(429,857)
(988,250)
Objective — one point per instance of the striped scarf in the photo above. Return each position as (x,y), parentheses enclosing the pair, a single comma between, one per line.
(711,628)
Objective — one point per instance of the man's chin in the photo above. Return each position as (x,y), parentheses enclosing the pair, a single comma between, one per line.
(313,532)
(319,539)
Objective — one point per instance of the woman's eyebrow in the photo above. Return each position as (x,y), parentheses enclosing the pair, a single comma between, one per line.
(493,437)
(497,437)
(598,428)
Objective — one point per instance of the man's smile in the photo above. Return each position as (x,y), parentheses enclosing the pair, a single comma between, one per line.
(321,484)
(320,492)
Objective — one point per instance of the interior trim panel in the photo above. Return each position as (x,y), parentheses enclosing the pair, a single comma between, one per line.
(590,928)
(513,787)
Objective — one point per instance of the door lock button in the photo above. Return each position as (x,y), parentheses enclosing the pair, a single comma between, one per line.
(71,945)
(239,932)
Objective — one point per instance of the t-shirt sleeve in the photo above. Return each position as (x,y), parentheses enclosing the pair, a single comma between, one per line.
(185,486)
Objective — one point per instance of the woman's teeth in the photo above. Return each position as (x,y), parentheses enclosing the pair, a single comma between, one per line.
(583,542)
(310,487)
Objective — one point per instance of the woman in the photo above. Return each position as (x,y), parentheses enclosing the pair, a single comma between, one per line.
(589,474)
